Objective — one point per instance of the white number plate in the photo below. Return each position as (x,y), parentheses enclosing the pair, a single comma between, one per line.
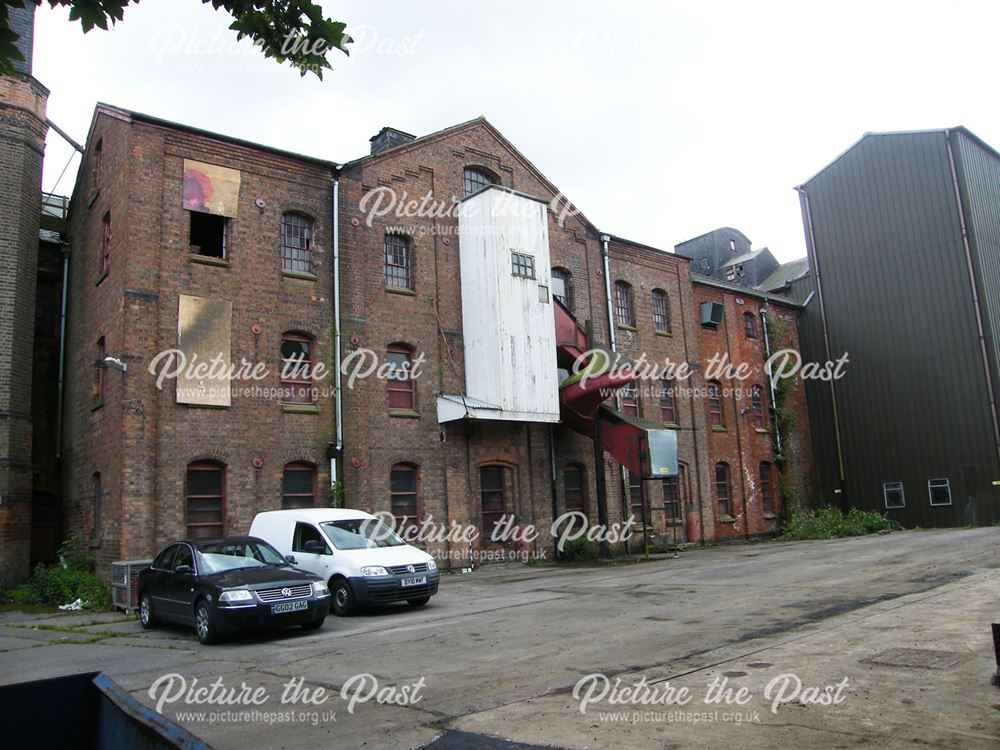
(422,581)
(277,609)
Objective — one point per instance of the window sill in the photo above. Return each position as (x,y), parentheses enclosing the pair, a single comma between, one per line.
(299,275)
(672,425)
(404,414)
(300,408)
(208,260)
(667,334)
(633,329)
(96,405)
(770,516)
(761,431)
(102,277)
(727,519)
(717,428)
(400,290)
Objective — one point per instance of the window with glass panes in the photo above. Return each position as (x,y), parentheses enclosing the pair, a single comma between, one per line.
(297,368)
(296,243)
(522,265)
(400,381)
(661,311)
(474,180)
(491,494)
(397,262)
(723,492)
(403,494)
(573,488)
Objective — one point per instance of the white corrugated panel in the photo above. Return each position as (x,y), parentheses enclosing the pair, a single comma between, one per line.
(508,323)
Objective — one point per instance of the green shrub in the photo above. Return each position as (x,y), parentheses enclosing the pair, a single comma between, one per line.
(830,523)
(65,581)
(580,548)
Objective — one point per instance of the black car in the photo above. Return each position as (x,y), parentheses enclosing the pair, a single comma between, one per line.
(221,585)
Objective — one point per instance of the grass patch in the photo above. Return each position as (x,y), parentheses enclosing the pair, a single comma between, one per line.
(831,523)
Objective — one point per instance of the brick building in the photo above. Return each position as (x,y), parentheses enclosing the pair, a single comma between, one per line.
(192,241)
(22,142)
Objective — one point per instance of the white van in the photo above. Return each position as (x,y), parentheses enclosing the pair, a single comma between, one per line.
(364,561)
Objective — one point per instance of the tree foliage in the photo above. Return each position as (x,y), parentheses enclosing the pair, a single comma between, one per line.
(293,31)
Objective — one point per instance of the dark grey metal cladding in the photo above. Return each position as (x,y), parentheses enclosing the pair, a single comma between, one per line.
(898,299)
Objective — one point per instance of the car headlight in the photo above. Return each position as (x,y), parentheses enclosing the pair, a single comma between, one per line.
(432,564)
(320,589)
(374,570)
(236,595)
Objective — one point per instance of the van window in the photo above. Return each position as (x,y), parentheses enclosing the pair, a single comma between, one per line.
(306,533)
(361,533)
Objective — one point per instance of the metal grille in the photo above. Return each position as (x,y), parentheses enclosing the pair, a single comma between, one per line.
(623,304)
(401,569)
(277,595)
(661,311)
(296,243)
(397,262)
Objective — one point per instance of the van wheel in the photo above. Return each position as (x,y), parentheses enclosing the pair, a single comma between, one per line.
(343,597)
(418,602)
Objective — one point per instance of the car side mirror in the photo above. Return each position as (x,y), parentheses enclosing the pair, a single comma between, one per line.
(314,547)
(290,559)
(183,569)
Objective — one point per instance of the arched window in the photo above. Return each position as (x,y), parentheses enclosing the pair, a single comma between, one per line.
(106,243)
(474,180)
(766,487)
(757,406)
(630,399)
(296,242)
(668,405)
(723,489)
(574,489)
(402,393)
(715,415)
(749,325)
(624,306)
(297,368)
(492,497)
(205,499)
(562,287)
(398,268)
(661,311)
(298,485)
(403,494)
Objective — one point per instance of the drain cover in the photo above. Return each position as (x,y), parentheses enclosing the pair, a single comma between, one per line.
(914,658)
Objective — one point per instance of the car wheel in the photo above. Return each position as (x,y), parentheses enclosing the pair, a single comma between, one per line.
(146,617)
(204,623)
(418,602)
(314,625)
(343,597)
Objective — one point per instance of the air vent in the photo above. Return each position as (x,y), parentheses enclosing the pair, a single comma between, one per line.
(711,314)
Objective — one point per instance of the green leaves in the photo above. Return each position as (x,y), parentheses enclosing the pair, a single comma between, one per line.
(293,31)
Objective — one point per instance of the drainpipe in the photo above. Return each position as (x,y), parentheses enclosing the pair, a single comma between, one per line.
(770,377)
(975,293)
(826,341)
(337,392)
(612,340)
(62,352)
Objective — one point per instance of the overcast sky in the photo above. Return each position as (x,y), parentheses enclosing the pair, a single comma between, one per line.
(660,120)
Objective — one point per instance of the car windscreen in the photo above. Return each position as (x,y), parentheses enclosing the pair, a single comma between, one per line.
(216,557)
(361,533)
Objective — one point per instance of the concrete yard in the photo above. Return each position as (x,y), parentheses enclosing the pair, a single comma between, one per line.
(905,618)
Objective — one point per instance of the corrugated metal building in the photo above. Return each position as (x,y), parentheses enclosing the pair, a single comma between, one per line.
(903,233)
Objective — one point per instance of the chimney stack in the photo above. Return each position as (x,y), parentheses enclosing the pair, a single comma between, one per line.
(388,137)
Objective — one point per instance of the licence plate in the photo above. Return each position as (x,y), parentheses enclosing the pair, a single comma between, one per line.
(421,581)
(278,609)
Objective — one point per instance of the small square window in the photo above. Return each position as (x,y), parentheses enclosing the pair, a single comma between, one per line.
(939,491)
(894,495)
(522,265)
(208,235)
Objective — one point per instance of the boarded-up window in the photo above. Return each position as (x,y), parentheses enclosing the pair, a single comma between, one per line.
(573,488)
(298,485)
(400,381)
(205,490)
(203,337)
(491,488)
(766,487)
(403,494)
(715,417)
(297,369)
(210,189)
